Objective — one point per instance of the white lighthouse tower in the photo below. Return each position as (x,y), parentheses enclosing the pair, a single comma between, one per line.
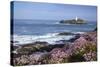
(76,18)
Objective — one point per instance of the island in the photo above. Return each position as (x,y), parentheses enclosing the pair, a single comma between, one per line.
(74,21)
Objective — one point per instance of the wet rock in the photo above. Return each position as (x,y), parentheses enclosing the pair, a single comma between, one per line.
(95,29)
(74,38)
(38,42)
(66,33)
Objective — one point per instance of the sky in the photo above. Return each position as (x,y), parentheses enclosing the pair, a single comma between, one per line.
(51,11)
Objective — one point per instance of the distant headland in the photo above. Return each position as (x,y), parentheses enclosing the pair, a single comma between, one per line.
(74,21)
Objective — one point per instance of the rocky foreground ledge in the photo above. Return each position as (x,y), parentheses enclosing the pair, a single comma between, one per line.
(80,49)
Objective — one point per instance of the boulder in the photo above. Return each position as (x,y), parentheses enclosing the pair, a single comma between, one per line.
(66,33)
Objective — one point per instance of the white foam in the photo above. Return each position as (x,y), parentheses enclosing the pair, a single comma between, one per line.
(50,38)
(53,40)
(78,32)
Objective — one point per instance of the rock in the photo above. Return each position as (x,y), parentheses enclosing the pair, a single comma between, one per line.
(30,48)
(43,43)
(66,33)
(74,38)
(26,50)
(95,29)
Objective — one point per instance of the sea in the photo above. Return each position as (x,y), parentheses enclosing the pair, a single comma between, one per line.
(30,31)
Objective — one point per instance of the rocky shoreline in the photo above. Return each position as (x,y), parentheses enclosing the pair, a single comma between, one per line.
(83,47)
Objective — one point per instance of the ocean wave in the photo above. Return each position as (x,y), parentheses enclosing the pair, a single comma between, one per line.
(78,32)
(51,38)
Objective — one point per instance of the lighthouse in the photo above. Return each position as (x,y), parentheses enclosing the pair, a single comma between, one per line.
(76,18)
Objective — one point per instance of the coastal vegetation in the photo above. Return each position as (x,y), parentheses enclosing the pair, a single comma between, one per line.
(82,48)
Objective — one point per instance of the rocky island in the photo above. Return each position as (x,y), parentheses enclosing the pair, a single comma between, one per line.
(73,21)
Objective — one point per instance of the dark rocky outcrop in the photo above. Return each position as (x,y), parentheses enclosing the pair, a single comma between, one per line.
(66,33)
(95,29)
